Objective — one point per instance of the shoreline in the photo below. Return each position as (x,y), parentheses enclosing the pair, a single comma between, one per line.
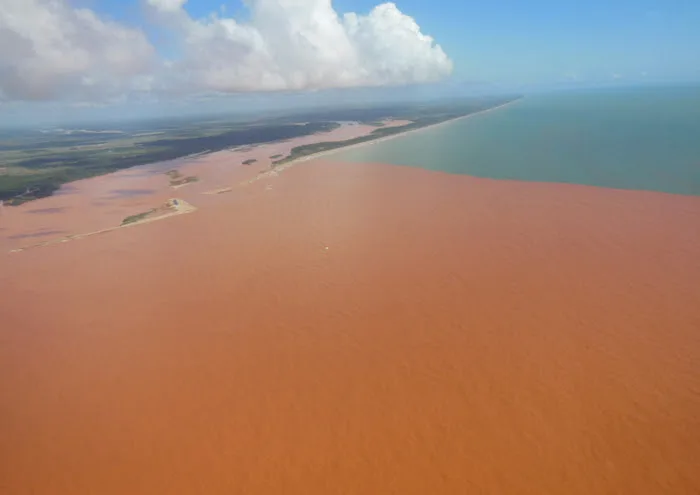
(249,147)
(273,171)
(194,157)
(96,203)
(397,135)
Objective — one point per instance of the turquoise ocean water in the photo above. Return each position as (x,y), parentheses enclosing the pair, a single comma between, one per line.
(645,139)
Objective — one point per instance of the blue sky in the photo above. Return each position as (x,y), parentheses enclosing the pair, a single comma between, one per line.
(545,41)
(529,41)
(161,56)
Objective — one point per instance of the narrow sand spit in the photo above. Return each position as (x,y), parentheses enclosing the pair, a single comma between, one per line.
(274,172)
(362,329)
(170,208)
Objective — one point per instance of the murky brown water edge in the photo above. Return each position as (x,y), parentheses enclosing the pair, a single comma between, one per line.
(458,335)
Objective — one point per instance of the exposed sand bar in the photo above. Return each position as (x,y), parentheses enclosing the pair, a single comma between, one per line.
(362,329)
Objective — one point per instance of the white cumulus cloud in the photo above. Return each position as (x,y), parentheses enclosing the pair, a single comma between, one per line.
(167,5)
(49,49)
(302,44)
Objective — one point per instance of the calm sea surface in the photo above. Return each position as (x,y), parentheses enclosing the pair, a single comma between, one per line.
(632,139)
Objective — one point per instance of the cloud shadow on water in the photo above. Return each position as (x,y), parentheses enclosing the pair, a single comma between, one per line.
(129,193)
(138,174)
(42,211)
(34,235)
(65,190)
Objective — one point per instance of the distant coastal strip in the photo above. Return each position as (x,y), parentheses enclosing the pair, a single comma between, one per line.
(325,148)
(36,164)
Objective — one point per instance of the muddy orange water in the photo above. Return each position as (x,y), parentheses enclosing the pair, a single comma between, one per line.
(362,329)
(102,202)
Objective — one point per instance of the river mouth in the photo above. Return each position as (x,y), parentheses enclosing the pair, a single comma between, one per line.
(365,327)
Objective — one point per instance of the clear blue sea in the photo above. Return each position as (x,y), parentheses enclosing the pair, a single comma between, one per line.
(645,138)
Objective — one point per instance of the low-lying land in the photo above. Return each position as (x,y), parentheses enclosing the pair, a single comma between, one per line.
(425,118)
(35,163)
(168,209)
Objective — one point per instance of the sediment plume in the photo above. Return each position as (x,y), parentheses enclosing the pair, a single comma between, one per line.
(362,328)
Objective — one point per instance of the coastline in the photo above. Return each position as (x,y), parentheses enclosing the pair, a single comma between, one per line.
(49,185)
(93,204)
(322,154)
(274,170)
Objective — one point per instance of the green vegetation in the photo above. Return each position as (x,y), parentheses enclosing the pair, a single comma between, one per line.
(249,161)
(176,178)
(184,180)
(20,186)
(137,218)
(421,117)
(276,156)
(34,164)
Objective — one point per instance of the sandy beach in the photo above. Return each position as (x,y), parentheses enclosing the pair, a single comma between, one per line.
(361,328)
